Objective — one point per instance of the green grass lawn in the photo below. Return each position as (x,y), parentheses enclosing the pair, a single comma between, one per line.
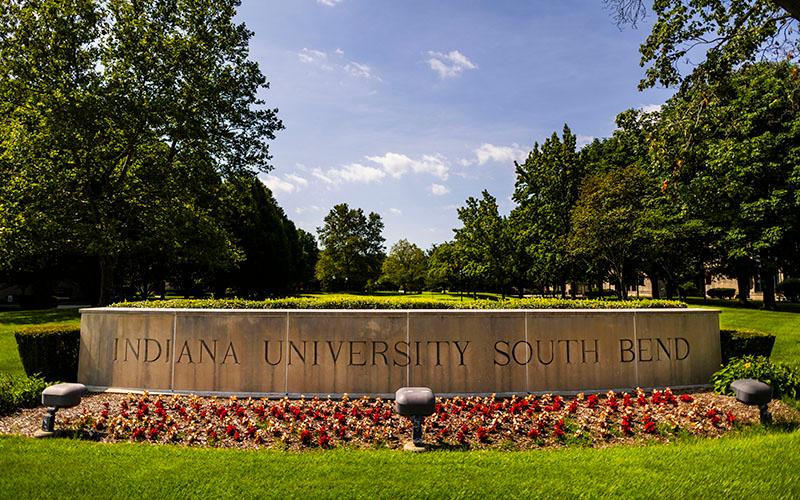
(785,325)
(738,467)
(11,320)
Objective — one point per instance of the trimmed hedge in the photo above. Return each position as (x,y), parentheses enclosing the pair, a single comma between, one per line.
(738,343)
(19,391)
(400,303)
(721,293)
(50,351)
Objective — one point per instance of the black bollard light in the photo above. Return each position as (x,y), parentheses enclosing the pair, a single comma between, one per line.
(415,403)
(754,392)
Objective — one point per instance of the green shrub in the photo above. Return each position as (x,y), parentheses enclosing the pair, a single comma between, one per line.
(721,293)
(50,351)
(340,302)
(738,343)
(688,289)
(790,288)
(19,391)
(785,380)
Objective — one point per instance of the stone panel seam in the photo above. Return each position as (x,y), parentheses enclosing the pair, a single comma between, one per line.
(527,365)
(286,358)
(635,343)
(172,357)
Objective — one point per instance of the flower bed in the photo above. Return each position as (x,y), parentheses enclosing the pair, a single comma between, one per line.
(460,423)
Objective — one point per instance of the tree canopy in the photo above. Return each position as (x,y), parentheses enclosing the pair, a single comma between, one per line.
(118,121)
(352,249)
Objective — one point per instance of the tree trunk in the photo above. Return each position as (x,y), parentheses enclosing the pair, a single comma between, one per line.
(656,292)
(768,271)
(743,284)
(107,265)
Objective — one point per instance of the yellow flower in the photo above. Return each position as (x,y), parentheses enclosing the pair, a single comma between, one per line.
(747,365)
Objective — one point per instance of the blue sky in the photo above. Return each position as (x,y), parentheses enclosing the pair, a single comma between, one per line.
(406,108)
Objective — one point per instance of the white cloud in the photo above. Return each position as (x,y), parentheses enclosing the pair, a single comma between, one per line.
(583,140)
(439,190)
(297,180)
(288,184)
(354,172)
(395,211)
(651,108)
(359,70)
(501,154)
(309,208)
(276,184)
(311,56)
(320,59)
(397,165)
(465,162)
(329,3)
(451,64)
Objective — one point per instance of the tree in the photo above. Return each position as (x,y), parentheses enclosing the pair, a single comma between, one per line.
(266,238)
(735,166)
(608,224)
(445,267)
(352,249)
(405,267)
(545,190)
(118,117)
(726,34)
(483,242)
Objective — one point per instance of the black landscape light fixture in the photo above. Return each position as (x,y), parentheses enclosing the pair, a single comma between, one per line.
(55,397)
(415,403)
(754,392)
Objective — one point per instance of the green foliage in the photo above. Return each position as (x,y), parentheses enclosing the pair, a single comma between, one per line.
(546,189)
(20,391)
(405,267)
(352,249)
(721,293)
(356,302)
(483,243)
(723,34)
(117,122)
(50,351)
(790,288)
(730,148)
(738,343)
(784,379)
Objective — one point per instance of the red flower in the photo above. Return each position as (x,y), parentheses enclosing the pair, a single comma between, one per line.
(324,441)
(137,433)
(533,433)
(558,429)
(573,407)
(730,417)
(627,400)
(592,401)
(626,425)
(305,437)
(649,424)
(482,433)
(686,398)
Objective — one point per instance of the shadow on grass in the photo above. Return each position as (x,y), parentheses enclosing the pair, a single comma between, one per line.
(35,317)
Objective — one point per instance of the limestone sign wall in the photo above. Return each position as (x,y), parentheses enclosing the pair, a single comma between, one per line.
(326,352)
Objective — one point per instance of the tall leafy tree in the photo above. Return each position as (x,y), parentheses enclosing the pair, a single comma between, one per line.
(405,267)
(546,189)
(736,167)
(352,249)
(483,240)
(120,117)
(609,223)
(445,267)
